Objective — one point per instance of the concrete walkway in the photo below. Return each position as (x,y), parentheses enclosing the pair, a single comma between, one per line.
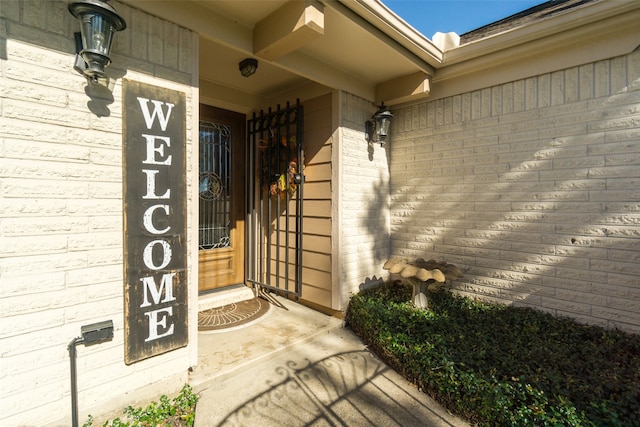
(298,367)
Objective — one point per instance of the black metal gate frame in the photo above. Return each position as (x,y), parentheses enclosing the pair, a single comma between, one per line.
(275,164)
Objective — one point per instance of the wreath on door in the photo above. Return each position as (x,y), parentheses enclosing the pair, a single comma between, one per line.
(278,166)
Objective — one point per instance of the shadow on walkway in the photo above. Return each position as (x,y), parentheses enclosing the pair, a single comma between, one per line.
(347,389)
(298,367)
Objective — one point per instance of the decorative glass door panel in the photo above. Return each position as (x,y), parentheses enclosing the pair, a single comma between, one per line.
(221,190)
(215,186)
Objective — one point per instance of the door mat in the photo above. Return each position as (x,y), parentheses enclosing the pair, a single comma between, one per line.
(232,316)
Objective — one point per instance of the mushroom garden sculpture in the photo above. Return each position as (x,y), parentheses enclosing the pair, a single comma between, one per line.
(422,275)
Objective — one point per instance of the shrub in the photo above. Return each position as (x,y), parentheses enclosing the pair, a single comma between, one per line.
(498,365)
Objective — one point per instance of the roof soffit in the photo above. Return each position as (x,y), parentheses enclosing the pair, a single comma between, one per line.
(362,47)
(376,14)
(348,53)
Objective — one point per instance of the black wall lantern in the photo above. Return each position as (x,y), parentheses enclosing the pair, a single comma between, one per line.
(377,129)
(98,25)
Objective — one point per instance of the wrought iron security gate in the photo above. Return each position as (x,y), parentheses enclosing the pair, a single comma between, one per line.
(274,222)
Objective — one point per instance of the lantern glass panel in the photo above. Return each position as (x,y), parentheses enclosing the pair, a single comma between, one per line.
(383,130)
(376,132)
(97,34)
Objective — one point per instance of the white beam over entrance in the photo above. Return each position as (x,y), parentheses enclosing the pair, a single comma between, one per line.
(287,29)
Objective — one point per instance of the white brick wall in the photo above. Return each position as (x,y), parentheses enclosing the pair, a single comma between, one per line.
(363,206)
(531,187)
(61,225)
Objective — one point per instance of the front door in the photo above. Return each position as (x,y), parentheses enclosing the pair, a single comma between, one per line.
(221,198)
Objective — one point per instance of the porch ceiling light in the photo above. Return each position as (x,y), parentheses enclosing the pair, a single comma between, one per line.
(98,25)
(377,129)
(248,66)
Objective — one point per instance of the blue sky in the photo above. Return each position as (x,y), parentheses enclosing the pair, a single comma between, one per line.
(460,16)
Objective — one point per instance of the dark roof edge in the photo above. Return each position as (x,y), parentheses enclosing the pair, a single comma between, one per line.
(535,13)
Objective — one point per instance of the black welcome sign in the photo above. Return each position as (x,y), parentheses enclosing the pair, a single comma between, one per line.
(155,263)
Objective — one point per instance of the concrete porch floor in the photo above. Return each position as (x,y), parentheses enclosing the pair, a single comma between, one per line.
(298,367)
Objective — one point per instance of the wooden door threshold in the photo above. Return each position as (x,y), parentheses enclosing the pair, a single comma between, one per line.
(223,296)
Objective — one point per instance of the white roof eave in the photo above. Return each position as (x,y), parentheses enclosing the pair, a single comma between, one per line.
(407,37)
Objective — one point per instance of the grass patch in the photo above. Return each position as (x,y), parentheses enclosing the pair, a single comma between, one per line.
(178,412)
(503,366)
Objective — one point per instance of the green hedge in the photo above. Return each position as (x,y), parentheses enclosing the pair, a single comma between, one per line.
(503,366)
